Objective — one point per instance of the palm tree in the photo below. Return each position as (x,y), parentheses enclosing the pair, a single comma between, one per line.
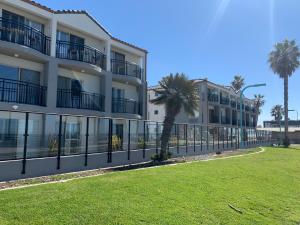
(284,60)
(259,102)
(175,92)
(277,112)
(238,83)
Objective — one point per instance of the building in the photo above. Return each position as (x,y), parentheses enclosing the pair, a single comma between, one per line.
(273,123)
(218,105)
(66,62)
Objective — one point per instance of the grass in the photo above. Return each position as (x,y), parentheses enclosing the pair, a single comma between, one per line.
(264,187)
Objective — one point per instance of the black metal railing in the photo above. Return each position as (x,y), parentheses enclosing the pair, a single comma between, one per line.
(126,68)
(121,105)
(15,32)
(225,120)
(213,97)
(80,100)
(224,100)
(78,52)
(22,92)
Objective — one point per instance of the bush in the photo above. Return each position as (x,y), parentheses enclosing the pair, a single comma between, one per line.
(218,152)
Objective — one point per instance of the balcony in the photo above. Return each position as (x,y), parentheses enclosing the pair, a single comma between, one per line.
(19,33)
(22,92)
(224,100)
(247,108)
(126,68)
(82,53)
(213,119)
(121,105)
(212,97)
(80,100)
(225,120)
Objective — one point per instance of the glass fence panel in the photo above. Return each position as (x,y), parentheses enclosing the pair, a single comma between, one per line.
(190,135)
(151,128)
(98,135)
(120,135)
(12,130)
(173,137)
(43,133)
(136,134)
(182,134)
(73,135)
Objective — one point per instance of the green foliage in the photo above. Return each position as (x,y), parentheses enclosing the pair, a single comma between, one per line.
(277,112)
(237,83)
(116,143)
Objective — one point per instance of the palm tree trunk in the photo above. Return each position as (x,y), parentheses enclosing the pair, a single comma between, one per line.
(165,136)
(286,111)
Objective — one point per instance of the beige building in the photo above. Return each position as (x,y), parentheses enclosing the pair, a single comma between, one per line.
(218,105)
(66,62)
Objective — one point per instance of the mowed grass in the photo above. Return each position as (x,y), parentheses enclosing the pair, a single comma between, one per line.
(265,187)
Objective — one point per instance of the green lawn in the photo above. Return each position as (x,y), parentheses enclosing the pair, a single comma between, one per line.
(265,187)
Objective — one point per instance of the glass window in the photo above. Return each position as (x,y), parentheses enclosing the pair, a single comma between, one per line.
(155,112)
(7,72)
(62,36)
(30,76)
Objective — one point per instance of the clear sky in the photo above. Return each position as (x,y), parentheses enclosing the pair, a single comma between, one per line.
(213,39)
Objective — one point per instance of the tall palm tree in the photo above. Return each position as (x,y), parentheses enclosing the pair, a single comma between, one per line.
(237,83)
(284,60)
(259,102)
(277,112)
(175,92)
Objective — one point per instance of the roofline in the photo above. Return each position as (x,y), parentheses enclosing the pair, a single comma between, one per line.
(88,15)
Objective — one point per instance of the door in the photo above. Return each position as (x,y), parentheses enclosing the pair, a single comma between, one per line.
(14,27)
(119,63)
(76,47)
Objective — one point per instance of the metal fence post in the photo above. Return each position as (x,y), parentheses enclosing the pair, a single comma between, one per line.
(59,142)
(201,147)
(109,152)
(177,137)
(186,138)
(156,143)
(194,135)
(129,130)
(86,141)
(144,144)
(25,144)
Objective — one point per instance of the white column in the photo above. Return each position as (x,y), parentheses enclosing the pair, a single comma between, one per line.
(108,49)
(53,30)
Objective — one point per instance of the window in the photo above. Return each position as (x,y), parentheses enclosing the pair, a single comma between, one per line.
(156,94)
(30,76)
(155,112)
(7,72)
(118,93)
(66,83)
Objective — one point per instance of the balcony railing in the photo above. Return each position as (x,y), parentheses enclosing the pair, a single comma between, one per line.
(225,120)
(22,92)
(213,119)
(80,100)
(121,105)
(15,32)
(247,108)
(224,100)
(78,52)
(213,97)
(126,68)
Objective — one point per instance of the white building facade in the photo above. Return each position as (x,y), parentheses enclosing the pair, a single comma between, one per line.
(219,105)
(65,62)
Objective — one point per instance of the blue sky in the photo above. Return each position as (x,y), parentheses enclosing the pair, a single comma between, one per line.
(213,39)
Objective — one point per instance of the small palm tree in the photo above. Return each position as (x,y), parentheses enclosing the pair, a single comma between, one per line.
(238,83)
(277,112)
(259,102)
(175,92)
(284,60)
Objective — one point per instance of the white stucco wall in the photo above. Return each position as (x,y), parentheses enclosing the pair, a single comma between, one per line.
(152,107)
